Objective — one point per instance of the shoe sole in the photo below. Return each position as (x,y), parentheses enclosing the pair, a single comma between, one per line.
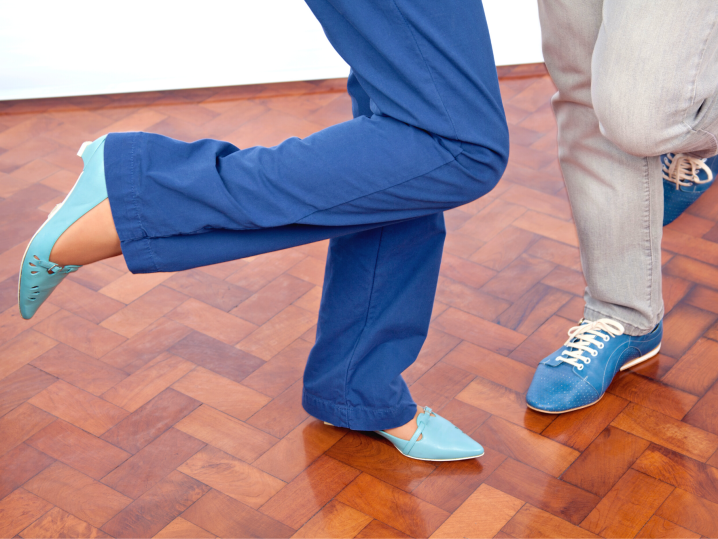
(628,365)
(427,460)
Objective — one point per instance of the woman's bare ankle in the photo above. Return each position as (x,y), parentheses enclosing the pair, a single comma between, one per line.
(406,431)
(91,238)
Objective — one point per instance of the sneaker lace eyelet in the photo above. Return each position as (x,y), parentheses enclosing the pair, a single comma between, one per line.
(587,360)
(580,367)
(594,353)
(606,338)
(600,345)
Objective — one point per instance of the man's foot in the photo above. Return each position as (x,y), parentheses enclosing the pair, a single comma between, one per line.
(578,374)
(685,178)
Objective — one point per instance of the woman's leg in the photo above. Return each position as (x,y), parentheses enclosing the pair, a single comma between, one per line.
(429,135)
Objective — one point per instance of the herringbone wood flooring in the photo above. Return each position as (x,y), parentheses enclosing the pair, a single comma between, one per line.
(168,405)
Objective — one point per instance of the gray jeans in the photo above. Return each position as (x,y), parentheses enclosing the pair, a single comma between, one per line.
(635,79)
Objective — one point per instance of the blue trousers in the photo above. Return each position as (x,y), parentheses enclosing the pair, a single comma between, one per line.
(428,134)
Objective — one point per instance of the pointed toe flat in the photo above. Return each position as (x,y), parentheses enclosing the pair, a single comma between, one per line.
(436,439)
(38,274)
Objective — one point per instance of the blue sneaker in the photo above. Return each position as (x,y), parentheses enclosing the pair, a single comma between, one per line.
(685,178)
(578,374)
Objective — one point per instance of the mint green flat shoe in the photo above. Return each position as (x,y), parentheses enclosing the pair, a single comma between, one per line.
(440,440)
(38,275)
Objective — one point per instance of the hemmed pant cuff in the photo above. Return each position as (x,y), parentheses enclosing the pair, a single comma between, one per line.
(629,329)
(358,417)
(138,256)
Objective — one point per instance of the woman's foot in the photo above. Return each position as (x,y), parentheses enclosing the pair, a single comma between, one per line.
(78,231)
(432,438)
(91,238)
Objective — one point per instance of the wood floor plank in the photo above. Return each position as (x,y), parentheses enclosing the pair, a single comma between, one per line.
(478,331)
(683,326)
(59,523)
(225,395)
(525,446)
(79,333)
(696,371)
(19,510)
(150,420)
(334,520)
(226,517)
(153,463)
(180,528)
(77,494)
(472,520)
(658,527)
(19,465)
(533,522)
(146,345)
(311,490)
(578,429)
(22,349)
(605,461)
(503,402)
(453,482)
(216,356)
(392,506)
(680,471)
(667,431)
(142,312)
(376,529)
(378,457)
(78,369)
(148,382)
(226,433)
(21,423)
(491,366)
(157,507)
(280,372)
(543,491)
(627,506)
(78,449)
(232,477)
(21,385)
(654,395)
(691,512)
(278,333)
(285,462)
(78,407)
(283,414)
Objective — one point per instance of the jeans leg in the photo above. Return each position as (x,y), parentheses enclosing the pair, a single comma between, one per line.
(379,289)
(616,198)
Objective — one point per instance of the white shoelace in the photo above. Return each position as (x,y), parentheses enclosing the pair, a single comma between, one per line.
(585,336)
(683,169)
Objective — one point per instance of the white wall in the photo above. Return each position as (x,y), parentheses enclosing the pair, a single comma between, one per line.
(83,47)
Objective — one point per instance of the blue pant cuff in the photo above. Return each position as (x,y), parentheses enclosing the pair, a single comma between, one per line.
(358,417)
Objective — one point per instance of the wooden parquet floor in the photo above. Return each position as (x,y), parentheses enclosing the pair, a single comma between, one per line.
(168,405)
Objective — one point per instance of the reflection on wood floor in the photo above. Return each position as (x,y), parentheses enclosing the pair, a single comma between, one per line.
(168,405)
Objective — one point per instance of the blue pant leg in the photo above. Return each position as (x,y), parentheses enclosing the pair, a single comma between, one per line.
(437,139)
(378,295)
(376,308)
